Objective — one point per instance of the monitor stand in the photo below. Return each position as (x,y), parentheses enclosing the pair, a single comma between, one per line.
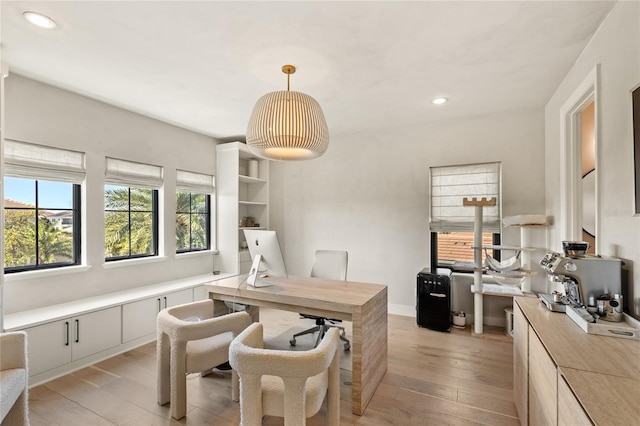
(255,278)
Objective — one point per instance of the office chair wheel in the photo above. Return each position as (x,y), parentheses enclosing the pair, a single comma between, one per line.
(292,342)
(347,346)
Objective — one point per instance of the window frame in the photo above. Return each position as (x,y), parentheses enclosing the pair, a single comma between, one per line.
(77,231)
(154,223)
(434,264)
(190,213)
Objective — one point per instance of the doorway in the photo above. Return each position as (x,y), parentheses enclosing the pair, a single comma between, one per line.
(578,167)
(588,173)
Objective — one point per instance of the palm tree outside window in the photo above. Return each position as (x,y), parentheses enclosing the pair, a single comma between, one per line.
(131,222)
(192,222)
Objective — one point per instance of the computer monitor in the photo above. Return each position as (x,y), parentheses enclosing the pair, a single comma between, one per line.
(267,257)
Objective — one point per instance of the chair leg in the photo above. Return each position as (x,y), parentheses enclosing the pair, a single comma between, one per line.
(163,368)
(321,333)
(178,380)
(292,342)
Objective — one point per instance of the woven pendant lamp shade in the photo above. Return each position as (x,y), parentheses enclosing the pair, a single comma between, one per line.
(287,125)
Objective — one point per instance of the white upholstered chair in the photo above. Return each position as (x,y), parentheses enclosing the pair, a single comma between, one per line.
(191,340)
(289,384)
(14,379)
(330,265)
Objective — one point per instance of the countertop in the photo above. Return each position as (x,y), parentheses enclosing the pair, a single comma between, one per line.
(603,372)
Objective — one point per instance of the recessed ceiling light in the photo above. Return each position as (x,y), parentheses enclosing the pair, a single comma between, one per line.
(39,20)
(439,101)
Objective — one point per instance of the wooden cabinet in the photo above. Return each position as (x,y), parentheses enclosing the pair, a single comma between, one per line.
(521,364)
(543,384)
(570,412)
(139,318)
(239,196)
(60,342)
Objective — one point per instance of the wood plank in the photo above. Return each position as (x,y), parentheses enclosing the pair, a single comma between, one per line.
(414,391)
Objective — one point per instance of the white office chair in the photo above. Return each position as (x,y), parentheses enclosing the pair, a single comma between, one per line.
(331,265)
(287,384)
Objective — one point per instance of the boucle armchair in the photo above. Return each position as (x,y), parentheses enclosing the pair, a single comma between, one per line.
(289,384)
(14,379)
(191,340)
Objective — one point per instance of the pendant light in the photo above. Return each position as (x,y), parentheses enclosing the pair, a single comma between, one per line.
(287,125)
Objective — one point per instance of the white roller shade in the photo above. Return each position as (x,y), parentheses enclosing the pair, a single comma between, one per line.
(130,173)
(194,182)
(450,184)
(31,161)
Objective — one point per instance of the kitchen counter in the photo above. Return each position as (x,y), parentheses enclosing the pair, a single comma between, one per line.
(602,372)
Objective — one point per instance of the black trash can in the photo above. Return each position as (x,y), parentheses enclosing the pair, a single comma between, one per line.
(433,300)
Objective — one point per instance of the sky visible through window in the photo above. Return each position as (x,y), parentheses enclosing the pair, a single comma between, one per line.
(51,194)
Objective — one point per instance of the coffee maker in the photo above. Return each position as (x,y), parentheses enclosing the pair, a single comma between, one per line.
(584,278)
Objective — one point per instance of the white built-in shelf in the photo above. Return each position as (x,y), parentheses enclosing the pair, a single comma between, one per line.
(248,179)
(251,203)
(242,228)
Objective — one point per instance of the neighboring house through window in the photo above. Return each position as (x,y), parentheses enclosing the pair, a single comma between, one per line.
(193,211)
(451,224)
(131,209)
(42,206)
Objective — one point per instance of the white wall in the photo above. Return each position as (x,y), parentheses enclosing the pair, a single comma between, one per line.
(42,114)
(616,49)
(369,194)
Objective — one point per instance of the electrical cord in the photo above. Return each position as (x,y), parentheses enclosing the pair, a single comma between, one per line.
(235,307)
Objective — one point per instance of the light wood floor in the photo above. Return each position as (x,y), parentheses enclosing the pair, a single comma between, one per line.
(433,378)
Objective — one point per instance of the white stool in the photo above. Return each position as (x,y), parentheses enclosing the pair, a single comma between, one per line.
(509,316)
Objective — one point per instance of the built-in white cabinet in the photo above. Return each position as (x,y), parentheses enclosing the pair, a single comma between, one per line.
(139,318)
(242,191)
(60,342)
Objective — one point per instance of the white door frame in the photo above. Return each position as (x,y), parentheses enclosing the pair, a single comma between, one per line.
(571,157)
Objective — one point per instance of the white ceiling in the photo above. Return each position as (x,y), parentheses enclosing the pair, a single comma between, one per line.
(203,64)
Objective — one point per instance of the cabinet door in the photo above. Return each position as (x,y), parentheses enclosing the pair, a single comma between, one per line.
(543,384)
(570,412)
(49,346)
(95,332)
(139,318)
(520,364)
(200,293)
(178,298)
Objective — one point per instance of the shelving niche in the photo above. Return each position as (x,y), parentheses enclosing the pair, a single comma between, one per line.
(239,196)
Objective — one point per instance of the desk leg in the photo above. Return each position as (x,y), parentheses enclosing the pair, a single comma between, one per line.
(369,346)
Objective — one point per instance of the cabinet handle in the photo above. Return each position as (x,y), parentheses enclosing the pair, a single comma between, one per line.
(66,326)
(77,331)
(159,305)
(165,301)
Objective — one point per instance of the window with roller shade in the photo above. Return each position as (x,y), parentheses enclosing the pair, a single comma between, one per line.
(451,223)
(193,211)
(42,206)
(131,209)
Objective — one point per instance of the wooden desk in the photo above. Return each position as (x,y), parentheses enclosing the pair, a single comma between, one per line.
(365,305)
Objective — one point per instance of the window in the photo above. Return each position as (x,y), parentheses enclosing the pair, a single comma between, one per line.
(452,224)
(131,222)
(42,206)
(193,211)
(192,222)
(41,224)
(131,209)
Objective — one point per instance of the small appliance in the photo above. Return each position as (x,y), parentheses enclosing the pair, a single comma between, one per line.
(582,277)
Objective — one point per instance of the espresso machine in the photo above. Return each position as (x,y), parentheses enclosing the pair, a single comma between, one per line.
(584,279)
